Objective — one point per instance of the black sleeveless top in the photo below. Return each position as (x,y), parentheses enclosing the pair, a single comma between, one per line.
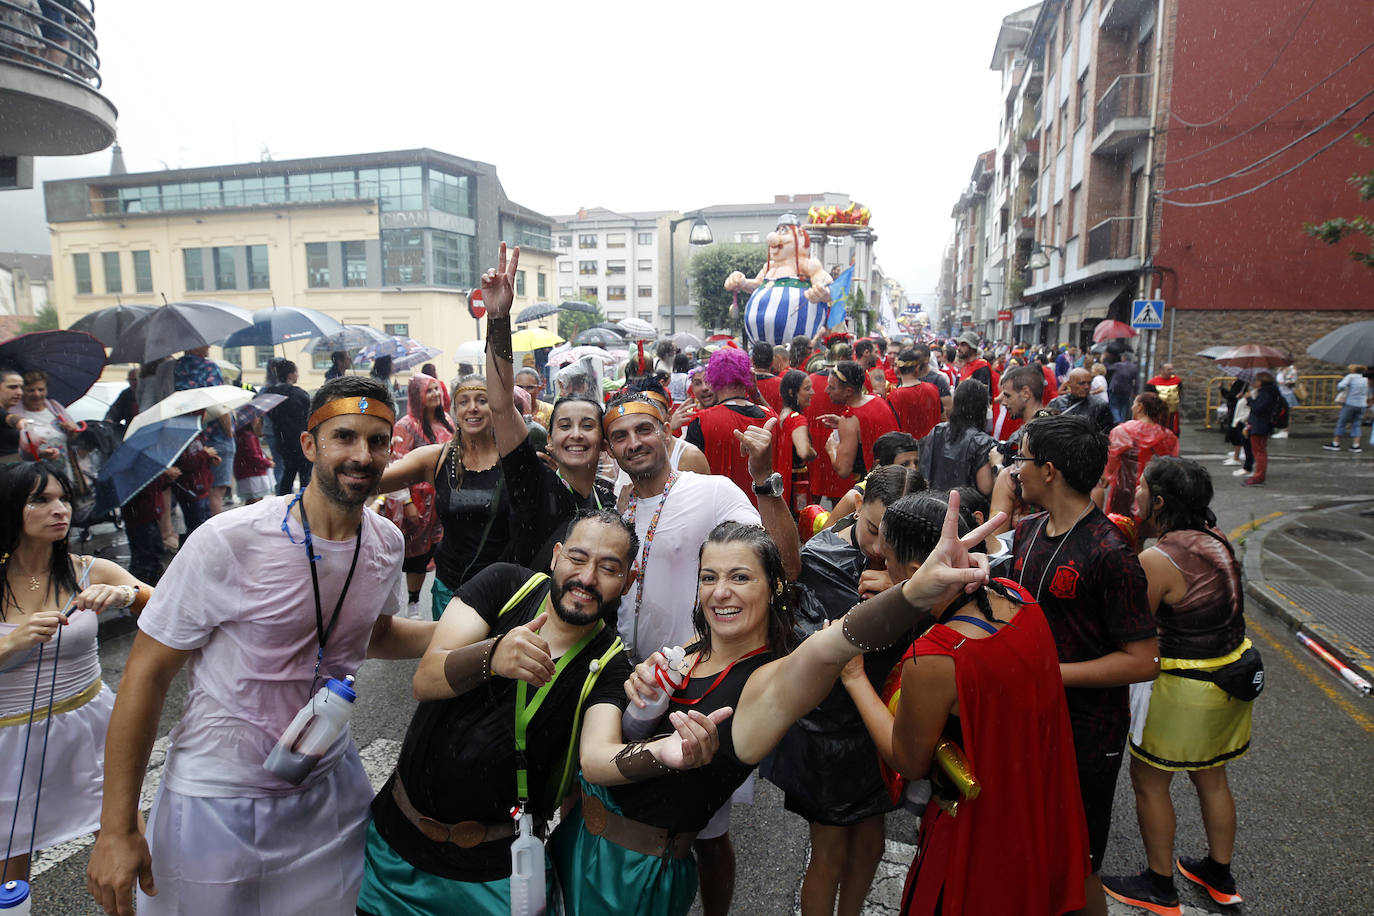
(684,800)
(480,506)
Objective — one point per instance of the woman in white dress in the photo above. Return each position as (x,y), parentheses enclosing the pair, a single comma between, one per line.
(39,581)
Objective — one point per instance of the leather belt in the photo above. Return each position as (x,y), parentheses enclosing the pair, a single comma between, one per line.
(465,834)
(632,835)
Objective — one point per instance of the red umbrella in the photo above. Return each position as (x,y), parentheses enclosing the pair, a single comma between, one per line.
(1111,330)
(1254,356)
(715,338)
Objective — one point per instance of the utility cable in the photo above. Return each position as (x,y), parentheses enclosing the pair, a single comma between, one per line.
(1267,70)
(1268,181)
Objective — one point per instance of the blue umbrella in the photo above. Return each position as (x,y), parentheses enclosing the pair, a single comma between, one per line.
(144,455)
(72,360)
(283,323)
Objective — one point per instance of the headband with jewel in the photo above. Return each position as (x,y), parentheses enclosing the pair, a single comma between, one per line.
(625,408)
(343,406)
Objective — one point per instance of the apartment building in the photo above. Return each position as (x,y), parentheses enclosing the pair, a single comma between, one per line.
(394,240)
(618,260)
(970,247)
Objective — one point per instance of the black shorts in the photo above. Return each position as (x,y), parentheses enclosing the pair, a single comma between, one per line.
(417,564)
(1098,788)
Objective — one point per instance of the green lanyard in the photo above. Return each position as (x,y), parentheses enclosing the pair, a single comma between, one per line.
(525,712)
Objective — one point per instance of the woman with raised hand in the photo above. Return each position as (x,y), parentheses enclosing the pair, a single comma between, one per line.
(49,602)
(626,848)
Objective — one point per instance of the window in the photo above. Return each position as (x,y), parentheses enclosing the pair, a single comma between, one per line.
(749,237)
(320,361)
(397,329)
(449,193)
(645,264)
(586,241)
(143,272)
(565,292)
(646,316)
(519,283)
(355,263)
(565,241)
(615,292)
(223,259)
(615,240)
(81,263)
(234,355)
(114,283)
(1068,214)
(261,355)
(403,256)
(455,259)
(542,285)
(317,265)
(194,267)
(398,188)
(589,293)
(258,276)
(646,238)
(1082,99)
(565,267)
(615,267)
(645,292)
(587,268)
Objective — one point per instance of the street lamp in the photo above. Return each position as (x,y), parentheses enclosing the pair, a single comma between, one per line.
(699,235)
(986,289)
(1038,259)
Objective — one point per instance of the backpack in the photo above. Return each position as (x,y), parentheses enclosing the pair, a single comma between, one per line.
(1281,414)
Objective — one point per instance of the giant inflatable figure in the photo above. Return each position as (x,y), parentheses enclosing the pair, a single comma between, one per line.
(790,295)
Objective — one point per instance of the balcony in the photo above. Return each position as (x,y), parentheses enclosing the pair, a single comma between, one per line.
(1113,239)
(1121,14)
(50,104)
(1122,116)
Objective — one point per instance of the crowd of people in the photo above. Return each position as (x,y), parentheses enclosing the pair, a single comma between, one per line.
(852,569)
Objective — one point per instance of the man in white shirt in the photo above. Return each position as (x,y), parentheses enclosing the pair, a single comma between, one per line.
(261,605)
(673,512)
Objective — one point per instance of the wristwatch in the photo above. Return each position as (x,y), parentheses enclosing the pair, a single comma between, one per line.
(770,487)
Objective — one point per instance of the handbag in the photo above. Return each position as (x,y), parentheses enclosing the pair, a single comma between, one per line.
(1339,399)
(1243,679)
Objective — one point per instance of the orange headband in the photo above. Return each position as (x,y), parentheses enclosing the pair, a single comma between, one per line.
(658,398)
(342,406)
(628,407)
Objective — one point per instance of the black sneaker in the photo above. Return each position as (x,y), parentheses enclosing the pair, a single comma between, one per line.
(1331,447)
(1140,890)
(1356,447)
(1204,873)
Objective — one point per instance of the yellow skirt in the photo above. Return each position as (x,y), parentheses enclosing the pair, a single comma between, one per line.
(1179,723)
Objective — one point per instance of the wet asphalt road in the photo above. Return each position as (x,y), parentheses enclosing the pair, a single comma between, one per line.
(1303,792)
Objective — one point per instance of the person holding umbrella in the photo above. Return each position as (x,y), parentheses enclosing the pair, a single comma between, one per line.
(1264,401)
(1352,392)
(288,422)
(340,363)
(49,427)
(49,603)
(195,369)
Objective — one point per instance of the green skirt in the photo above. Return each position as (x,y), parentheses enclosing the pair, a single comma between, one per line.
(394,887)
(440,595)
(1180,724)
(599,877)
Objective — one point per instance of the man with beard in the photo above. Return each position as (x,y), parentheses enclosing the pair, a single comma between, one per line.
(484,742)
(1078,400)
(261,605)
(672,513)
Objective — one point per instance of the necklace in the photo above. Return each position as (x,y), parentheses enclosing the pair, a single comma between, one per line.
(648,541)
(1050,564)
(34,584)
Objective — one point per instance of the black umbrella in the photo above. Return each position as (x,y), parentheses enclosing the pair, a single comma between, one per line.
(1349,344)
(351,338)
(179,326)
(572,305)
(109,324)
(282,323)
(71,359)
(535,312)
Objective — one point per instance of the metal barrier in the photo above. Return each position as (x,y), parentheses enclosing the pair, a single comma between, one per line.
(72,54)
(1318,405)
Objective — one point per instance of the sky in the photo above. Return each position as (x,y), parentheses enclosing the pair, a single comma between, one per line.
(625,105)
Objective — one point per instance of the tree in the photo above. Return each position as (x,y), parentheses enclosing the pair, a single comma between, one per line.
(571,323)
(1333,230)
(45,320)
(708,271)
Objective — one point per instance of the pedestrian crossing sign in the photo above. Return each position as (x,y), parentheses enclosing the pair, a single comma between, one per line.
(1147,314)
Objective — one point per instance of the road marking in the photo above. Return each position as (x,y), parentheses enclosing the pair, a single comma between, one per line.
(1251,525)
(1320,679)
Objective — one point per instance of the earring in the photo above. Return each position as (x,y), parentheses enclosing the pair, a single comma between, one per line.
(779,587)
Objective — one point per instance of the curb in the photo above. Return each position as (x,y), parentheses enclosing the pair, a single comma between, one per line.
(1285,609)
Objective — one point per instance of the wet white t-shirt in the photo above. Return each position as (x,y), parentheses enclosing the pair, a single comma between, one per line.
(239,595)
(696,504)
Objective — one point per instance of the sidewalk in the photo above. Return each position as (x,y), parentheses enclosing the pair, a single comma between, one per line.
(1315,571)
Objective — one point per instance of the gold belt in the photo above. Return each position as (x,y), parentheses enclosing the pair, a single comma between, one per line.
(75,701)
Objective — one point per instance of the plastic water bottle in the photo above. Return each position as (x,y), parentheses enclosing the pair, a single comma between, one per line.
(14,898)
(637,723)
(313,732)
(527,870)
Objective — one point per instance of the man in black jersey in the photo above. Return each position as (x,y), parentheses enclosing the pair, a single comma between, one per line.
(1085,576)
(442,827)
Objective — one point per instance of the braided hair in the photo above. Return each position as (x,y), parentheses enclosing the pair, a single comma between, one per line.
(781,598)
(912,528)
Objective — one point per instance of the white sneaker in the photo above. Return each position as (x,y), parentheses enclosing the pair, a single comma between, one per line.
(1240,472)
(1281,434)
(413,610)
(1228,461)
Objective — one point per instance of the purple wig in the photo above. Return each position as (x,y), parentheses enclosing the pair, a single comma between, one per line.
(729,367)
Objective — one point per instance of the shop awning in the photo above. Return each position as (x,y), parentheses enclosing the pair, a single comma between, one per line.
(1091,303)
